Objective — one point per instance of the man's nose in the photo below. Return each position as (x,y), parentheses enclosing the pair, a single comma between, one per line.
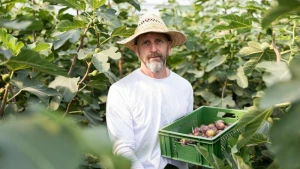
(153,47)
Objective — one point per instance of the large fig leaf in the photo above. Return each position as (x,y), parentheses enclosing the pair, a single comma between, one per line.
(76,4)
(122,32)
(95,4)
(275,72)
(72,36)
(29,58)
(66,86)
(215,62)
(256,53)
(66,25)
(234,21)
(285,138)
(252,120)
(241,78)
(100,59)
(22,83)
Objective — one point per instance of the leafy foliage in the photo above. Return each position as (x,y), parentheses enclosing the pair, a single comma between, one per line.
(62,54)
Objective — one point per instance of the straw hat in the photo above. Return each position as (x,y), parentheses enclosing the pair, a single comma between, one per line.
(153,23)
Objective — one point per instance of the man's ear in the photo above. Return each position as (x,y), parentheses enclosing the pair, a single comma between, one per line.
(135,48)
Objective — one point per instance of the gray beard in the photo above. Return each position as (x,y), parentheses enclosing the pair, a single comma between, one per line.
(155,67)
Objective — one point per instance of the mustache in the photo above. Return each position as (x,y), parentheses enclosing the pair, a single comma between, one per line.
(155,54)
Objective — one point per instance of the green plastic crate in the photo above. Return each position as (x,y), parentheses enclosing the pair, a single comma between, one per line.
(170,135)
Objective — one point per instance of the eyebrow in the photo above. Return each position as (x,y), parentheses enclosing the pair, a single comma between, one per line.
(168,37)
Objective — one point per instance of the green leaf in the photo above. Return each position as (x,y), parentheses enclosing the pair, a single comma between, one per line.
(55,102)
(284,136)
(256,54)
(100,62)
(257,139)
(275,72)
(284,6)
(234,22)
(40,46)
(112,53)
(72,36)
(66,25)
(85,53)
(25,140)
(240,162)
(281,93)
(10,42)
(241,78)
(28,24)
(29,58)
(76,4)
(97,84)
(95,4)
(66,86)
(132,2)
(206,95)
(219,102)
(122,32)
(92,116)
(252,120)
(204,152)
(35,87)
(85,97)
(109,18)
(215,62)
(100,59)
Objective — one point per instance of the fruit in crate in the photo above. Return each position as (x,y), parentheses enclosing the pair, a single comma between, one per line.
(208,131)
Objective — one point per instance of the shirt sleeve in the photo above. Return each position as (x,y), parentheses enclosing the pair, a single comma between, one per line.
(120,126)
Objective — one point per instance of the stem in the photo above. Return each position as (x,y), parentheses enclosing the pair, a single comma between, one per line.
(7,86)
(292,43)
(84,77)
(226,81)
(105,40)
(278,56)
(86,73)
(4,100)
(68,108)
(33,32)
(12,98)
(78,49)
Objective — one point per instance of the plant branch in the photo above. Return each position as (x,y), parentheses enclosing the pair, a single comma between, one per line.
(79,47)
(68,108)
(33,32)
(86,72)
(278,56)
(84,77)
(226,81)
(4,100)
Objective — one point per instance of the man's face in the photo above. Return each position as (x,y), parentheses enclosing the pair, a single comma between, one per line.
(153,50)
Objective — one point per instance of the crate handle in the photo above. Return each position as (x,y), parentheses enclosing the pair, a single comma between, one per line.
(226,115)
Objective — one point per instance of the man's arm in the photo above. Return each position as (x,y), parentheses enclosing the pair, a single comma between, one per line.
(120,126)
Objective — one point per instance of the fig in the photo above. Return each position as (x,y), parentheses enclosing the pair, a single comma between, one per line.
(220,126)
(211,125)
(97,50)
(204,128)
(6,78)
(210,133)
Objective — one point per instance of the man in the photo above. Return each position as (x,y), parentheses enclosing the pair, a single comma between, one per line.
(149,98)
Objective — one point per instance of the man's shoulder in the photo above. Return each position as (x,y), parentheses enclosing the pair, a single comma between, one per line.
(127,80)
(181,79)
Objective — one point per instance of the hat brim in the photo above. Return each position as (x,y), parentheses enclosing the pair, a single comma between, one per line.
(177,38)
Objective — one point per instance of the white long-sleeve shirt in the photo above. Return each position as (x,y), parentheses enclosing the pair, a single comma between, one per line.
(137,107)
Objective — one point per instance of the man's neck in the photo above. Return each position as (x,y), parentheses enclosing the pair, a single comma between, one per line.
(163,73)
